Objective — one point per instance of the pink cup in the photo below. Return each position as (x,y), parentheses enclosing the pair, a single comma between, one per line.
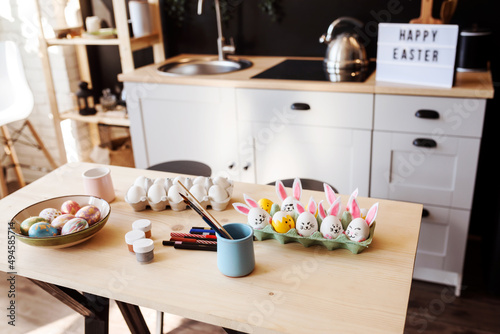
(97,182)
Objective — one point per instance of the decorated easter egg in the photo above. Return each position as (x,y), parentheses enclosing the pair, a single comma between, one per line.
(90,213)
(217,193)
(135,194)
(28,222)
(282,222)
(331,227)
(70,207)
(157,193)
(358,230)
(265,204)
(49,214)
(74,225)
(41,230)
(59,221)
(306,224)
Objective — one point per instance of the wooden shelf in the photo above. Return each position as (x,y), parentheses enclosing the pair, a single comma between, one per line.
(136,43)
(114,118)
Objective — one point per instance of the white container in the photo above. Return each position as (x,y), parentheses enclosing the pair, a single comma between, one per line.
(140,16)
(144,250)
(131,237)
(93,23)
(143,225)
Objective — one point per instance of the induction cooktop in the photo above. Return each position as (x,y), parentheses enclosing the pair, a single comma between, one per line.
(301,69)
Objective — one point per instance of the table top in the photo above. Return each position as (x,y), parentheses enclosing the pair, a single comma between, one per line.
(292,289)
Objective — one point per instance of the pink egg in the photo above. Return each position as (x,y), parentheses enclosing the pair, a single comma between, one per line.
(59,221)
(70,207)
(90,213)
(50,214)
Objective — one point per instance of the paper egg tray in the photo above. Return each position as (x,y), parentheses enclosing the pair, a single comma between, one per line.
(166,202)
(342,241)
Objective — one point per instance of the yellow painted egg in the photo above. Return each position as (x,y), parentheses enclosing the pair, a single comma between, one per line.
(282,222)
(265,204)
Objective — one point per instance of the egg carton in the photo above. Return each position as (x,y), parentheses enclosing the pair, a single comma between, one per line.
(162,193)
(342,241)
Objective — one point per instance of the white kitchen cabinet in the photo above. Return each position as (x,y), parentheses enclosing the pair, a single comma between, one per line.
(182,122)
(317,135)
(425,150)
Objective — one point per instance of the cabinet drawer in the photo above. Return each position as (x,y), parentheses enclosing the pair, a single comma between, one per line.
(442,239)
(344,110)
(443,175)
(455,116)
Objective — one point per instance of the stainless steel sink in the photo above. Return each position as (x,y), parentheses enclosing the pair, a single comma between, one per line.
(187,67)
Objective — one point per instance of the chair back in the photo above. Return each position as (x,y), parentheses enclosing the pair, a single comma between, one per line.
(16,98)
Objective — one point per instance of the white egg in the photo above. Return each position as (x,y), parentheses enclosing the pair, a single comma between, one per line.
(217,193)
(222,181)
(140,181)
(157,193)
(181,179)
(167,184)
(173,193)
(147,183)
(208,183)
(159,180)
(135,194)
(199,180)
(198,191)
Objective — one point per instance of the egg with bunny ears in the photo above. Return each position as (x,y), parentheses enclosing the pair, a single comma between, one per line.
(257,217)
(287,204)
(331,227)
(359,228)
(306,223)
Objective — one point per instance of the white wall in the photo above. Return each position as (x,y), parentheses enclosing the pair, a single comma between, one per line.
(19,23)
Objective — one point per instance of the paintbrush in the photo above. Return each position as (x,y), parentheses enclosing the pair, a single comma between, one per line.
(207,220)
(206,213)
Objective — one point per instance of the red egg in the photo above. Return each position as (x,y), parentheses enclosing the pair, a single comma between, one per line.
(70,207)
(90,213)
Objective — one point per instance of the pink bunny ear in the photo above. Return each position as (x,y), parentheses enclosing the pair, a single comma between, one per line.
(372,214)
(299,207)
(280,190)
(241,208)
(311,206)
(353,196)
(250,201)
(297,189)
(334,210)
(330,194)
(355,210)
(321,210)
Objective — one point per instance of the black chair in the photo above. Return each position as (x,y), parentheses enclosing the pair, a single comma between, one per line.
(188,167)
(308,184)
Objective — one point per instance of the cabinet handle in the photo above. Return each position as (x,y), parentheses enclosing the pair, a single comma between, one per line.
(427,113)
(231,166)
(246,166)
(300,106)
(425,213)
(425,142)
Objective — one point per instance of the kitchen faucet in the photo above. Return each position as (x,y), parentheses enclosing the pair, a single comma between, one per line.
(222,48)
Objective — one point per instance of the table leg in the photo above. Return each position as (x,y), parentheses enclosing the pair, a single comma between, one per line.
(133,317)
(231,331)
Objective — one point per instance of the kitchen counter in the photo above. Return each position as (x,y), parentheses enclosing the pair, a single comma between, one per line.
(467,84)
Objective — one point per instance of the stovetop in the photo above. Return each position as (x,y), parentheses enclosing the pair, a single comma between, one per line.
(308,70)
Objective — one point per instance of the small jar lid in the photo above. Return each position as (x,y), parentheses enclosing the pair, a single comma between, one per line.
(143,245)
(142,225)
(134,235)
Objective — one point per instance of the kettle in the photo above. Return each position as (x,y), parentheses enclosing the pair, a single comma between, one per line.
(345,58)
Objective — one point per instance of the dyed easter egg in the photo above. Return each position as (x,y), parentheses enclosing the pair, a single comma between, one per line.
(90,213)
(41,230)
(74,225)
(28,222)
(50,214)
(282,222)
(59,221)
(70,207)
(265,204)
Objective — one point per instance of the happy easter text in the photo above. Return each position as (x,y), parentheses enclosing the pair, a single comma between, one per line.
(416,54)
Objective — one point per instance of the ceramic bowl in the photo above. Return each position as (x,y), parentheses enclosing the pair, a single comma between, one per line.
(60,241)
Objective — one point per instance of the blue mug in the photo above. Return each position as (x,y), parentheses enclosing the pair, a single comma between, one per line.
(236,258)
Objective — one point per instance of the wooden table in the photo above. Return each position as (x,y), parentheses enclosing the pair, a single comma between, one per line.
(292,289)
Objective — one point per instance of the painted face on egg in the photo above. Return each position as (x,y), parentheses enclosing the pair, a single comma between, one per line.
(358,230)
(306,224)
(265,204)
(258,218)
(282,222)
(287,205)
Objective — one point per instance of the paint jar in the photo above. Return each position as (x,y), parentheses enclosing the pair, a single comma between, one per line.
(132,236)
(143,249)
(142,225)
